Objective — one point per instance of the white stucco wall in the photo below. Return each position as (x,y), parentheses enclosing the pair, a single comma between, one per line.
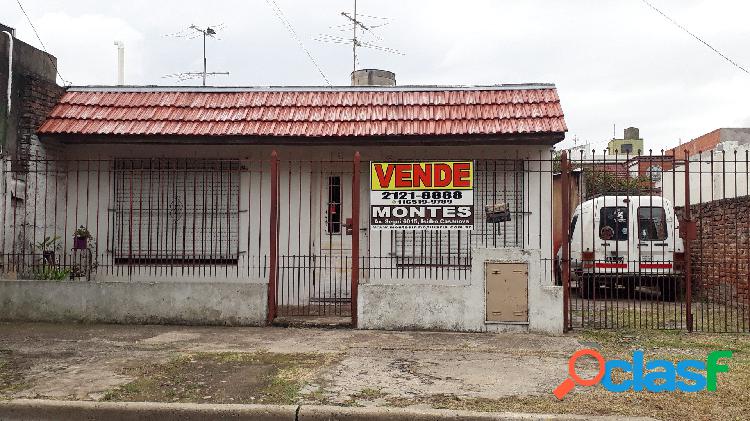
(404,304)
(449,301)
(713,176)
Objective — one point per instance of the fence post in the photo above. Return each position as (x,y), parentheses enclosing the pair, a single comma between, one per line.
(688,230)
(273,238)
(355,237)
(565,253)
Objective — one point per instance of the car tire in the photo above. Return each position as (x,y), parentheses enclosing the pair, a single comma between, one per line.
(588,285)
(668,289)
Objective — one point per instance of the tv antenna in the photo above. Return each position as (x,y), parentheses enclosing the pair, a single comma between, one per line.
(365,28)
(192,32)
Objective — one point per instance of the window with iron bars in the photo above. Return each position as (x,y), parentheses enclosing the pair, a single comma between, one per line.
(333,212)
(176,211)
(495,181)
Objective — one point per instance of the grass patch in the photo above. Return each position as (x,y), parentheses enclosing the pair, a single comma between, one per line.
(369,394)
(227,377)
(729,402)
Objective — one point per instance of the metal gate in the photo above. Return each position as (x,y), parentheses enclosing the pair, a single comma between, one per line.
(315,238)
(656,242)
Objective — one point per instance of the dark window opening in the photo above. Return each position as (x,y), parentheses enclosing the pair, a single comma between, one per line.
(572,228)
(333,212)
(613,223)
(626,148)
(652,223)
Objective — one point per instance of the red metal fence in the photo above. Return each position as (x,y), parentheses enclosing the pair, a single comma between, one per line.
(655,241)
(646,241)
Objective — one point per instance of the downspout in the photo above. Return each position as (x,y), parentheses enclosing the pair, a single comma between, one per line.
(10,82)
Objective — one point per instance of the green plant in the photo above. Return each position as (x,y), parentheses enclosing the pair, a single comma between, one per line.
(603,183)
(82,232)
(48,244)
(51,274)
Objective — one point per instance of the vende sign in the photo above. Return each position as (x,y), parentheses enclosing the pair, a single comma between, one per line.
(431,195)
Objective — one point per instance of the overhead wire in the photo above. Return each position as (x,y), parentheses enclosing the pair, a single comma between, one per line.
(44,48)
(699,39)
(282,17)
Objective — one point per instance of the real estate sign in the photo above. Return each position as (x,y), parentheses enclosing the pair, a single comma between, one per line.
(429,195)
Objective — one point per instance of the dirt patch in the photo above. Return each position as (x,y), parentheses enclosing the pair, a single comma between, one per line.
(11,374)
(226,377)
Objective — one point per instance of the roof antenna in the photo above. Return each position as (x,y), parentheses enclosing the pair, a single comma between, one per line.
(355,24)
(209,31)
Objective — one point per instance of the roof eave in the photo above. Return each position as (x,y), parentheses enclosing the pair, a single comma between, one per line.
(543,139)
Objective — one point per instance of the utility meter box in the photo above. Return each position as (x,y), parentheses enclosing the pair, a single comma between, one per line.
(507,292)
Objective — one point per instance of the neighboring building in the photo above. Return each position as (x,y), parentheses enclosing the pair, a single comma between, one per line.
(33,93)
(726,139)
(631,143)
(176,186)
(719,162)
(650,169)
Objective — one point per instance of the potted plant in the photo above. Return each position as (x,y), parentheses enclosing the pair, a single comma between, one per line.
(80,238)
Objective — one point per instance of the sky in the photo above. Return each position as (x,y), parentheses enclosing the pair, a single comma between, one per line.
(616,63)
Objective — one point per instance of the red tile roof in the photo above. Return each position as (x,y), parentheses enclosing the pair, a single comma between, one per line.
(308,112)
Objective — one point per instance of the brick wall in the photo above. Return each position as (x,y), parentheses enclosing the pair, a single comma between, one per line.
(721,253)
(38,96)
(703,143)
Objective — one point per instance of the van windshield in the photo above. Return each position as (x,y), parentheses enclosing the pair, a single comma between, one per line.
(613,223)
(652,223)
(572,228)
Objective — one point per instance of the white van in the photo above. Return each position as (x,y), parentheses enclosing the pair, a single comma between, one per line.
(626,242)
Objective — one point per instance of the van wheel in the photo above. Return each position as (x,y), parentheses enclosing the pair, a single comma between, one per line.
(667,288)
(587,287)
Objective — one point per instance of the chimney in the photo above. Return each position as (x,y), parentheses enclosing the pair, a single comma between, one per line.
(120,62)
(373,77)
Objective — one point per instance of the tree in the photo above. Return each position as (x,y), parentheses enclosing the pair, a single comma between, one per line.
(601,183)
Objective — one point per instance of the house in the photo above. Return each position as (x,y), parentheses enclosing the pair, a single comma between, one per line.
(242,205)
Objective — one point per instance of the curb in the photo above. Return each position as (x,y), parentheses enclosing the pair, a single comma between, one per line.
(43,410)
(50,410)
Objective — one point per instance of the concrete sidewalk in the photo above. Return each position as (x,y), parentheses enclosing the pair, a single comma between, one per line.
(45,410)
(347,370)
(85,361)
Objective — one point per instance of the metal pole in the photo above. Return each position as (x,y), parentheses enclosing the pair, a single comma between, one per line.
(565,220)
(687,238)
(355,236)
(273,238)
(354,40)
(204,58)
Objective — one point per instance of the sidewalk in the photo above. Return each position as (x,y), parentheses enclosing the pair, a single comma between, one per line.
(343,367)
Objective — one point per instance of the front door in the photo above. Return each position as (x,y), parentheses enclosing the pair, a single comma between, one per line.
(315,257)
(332,270)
